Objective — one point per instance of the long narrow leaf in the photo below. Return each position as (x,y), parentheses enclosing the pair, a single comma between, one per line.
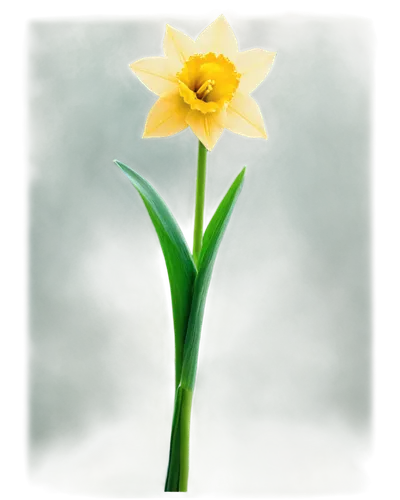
(180,266)
(211,241)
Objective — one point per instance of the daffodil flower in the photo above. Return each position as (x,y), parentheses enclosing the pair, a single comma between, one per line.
(204,84)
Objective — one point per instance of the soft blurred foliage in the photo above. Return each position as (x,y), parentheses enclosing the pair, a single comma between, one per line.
(282,402)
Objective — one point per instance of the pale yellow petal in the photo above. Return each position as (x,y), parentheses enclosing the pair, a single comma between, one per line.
(219,38)
(243,116)
(207,127)
(253,66)
(178,47)
(167,116)
(156,73)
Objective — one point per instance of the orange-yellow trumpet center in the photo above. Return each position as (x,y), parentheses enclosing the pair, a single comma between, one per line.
(207,82)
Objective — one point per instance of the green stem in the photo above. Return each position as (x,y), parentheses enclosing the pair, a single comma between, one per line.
(200,195)
(185,427)
(178,466)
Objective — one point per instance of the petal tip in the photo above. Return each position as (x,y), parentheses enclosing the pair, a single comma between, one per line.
(222,19)
(218,37)
(221,15)
(146,132)
(133,67)
(168,27)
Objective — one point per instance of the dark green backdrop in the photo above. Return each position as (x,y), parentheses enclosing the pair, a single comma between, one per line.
(282,403)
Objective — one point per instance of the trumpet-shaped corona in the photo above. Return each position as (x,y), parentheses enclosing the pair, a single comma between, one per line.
(208,82)
(204,84)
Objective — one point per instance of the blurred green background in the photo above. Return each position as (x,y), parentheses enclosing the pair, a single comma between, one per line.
(282,403)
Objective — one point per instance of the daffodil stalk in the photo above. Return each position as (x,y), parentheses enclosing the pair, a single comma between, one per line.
(200,195)
(203,84)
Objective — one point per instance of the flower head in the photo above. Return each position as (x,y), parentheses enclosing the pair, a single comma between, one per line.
(204,84)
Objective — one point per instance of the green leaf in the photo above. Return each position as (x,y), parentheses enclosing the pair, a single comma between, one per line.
(211,241)
(180,266)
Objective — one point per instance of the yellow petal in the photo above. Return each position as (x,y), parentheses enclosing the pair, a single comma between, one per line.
(243,116)
(219,38)
(156,73)
(253,66)
(178,47)
(167,116)
(207,127)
